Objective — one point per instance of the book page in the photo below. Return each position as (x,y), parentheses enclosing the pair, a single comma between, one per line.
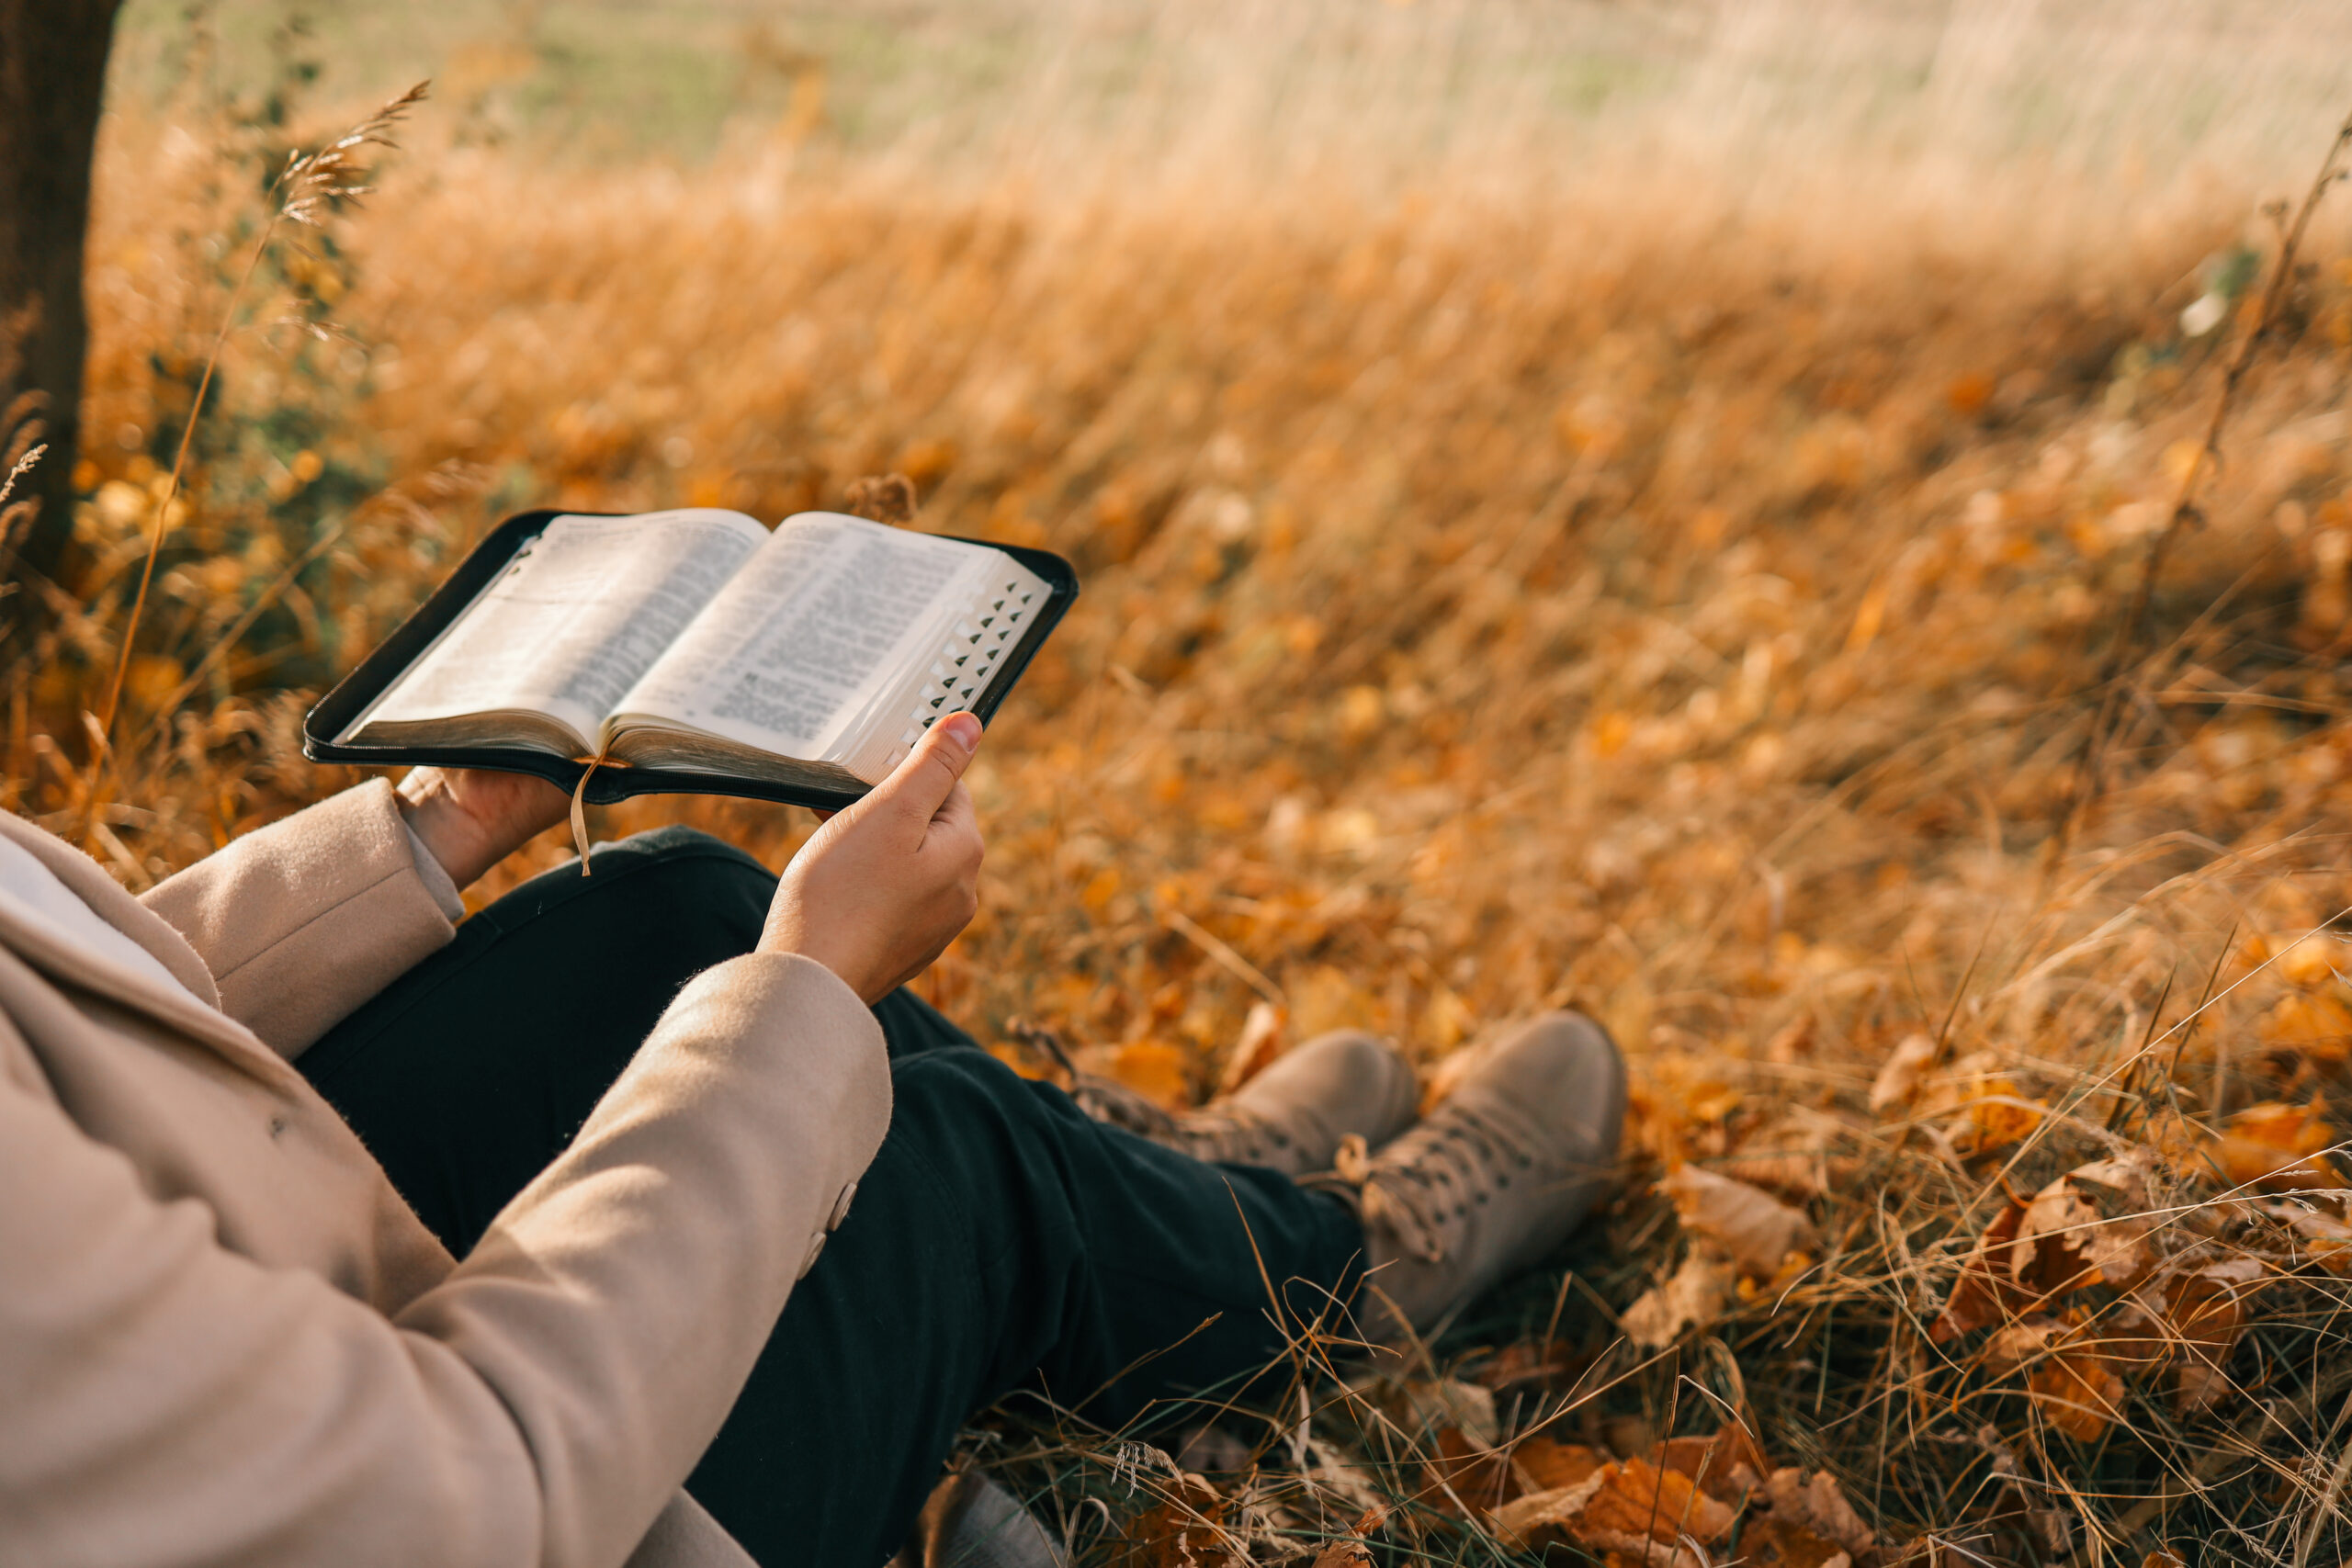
(807,633)
(573,619)
(983,630)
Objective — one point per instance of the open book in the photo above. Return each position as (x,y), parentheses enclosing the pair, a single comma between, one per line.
(696,650)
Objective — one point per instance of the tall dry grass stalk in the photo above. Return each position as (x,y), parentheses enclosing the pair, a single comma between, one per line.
(306,191)
(1611,581)
(2263,314)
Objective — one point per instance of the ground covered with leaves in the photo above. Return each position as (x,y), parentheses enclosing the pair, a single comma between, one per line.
(1610,595)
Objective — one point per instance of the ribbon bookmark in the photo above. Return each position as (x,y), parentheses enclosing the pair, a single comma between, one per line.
(580,810)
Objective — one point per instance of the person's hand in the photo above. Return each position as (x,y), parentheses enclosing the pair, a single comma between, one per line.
(884,885)
(473,817)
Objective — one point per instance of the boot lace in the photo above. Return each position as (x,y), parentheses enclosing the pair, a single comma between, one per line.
(1219,1136)
(1424,1186)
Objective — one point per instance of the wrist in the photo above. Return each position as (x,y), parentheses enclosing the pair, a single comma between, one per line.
(449,831)
(790,937)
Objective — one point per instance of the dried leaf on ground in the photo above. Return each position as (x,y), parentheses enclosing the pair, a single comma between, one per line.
(1800,1150)
(1631,1507)
(1348,1551)
(1345,1553)
(2001,1116)
(2072,1383)
(1695,1296)
(2318,1028)
(1899,1078)
(2311,961)
(2134,1334)
(1549,1465)
(1182,1529)
(1985,1293)
(2277,1146)
(2326,1240)
(1770,1541)
(1728,1466)
(2208,1309)
(1755,1230)
(2078,1391)
(2090,1227)
(1422,1407)
(1982,1107)
(1815,1502)
(2093,1225)
(1466,1478)
(1153,1068)
(1339,1481)
(1262,1042)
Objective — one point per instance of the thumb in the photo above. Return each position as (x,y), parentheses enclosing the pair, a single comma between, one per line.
(920,785)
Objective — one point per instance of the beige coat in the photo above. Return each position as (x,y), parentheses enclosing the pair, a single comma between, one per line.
(224,1338)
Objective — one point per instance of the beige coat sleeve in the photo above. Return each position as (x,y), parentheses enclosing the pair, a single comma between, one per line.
(304,919)
(169,1401)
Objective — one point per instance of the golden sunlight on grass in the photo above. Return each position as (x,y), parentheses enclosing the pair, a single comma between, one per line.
(1612,588)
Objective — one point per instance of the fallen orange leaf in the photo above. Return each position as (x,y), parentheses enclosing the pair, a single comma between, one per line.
(2318,1026)
(1899,1077)
(1260,1042)
(1466,1478)
(2070,1378)
(1153,1068)
(2208,1309)
(1816,1503)
(1726,1466)
(2077,1392)
(1755,1229)
(2327,1239)
(1773,1542)
(2090,1227)
(1985,1293)
(2277,1146)
(1697,1293)
(1181,1530)
(1627,1506)
(1549,1465)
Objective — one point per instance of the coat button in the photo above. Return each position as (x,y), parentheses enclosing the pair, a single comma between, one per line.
(841,1209)
(816,1245)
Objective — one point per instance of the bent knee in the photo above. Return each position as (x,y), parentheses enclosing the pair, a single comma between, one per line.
(961,1091)
(678,886)
(675,842)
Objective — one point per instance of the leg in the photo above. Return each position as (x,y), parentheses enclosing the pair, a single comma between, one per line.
(1001,1238)
(473,1070)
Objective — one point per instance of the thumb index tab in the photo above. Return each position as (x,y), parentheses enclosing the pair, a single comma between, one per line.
(922,783)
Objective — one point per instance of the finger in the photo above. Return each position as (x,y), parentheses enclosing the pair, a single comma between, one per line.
(920,785)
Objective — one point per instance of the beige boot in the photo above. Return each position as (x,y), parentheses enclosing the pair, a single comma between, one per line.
(1493,1179)
(1290,1117)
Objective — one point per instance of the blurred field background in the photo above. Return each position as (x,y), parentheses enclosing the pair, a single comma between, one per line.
(1621,505)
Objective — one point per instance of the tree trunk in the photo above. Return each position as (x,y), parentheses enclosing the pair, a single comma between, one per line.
(53,79)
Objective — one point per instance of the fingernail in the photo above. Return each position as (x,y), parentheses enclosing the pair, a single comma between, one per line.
(963,730)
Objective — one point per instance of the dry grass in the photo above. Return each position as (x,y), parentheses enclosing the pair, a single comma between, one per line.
(1509,591)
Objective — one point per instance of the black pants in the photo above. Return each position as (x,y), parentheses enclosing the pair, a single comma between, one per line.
(1000,1241)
